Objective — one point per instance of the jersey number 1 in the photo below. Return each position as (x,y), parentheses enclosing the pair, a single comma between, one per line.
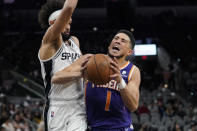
(108,100)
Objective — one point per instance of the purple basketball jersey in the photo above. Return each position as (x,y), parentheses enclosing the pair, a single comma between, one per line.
(105,107)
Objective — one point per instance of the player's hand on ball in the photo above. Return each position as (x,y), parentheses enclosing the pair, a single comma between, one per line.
(84,60)
(98,69)
(115,67)
(80,64)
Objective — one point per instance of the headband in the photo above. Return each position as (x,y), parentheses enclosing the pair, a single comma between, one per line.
(54,15)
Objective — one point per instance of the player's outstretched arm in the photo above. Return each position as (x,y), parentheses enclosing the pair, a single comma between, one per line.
(72,72)
(54,31)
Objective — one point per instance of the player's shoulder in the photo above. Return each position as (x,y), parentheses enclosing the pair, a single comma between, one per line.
(136,68)
(136,71)
(76,40)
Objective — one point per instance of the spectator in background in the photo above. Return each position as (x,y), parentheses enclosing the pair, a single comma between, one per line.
(193,127)
(176,127)
(41,126)
(190,111)
(19,123)
(169,111)
(161,107)
(7,125)
(11,109)
(143,109)
(4,116)
(144,127)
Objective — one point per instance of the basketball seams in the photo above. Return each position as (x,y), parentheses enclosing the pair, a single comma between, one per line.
(98,70)
(108,68)
(89,76)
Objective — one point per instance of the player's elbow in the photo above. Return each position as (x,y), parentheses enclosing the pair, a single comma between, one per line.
(133,107)
(54,80)
(68,9)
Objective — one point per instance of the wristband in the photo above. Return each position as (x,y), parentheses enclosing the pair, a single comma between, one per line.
(122,84)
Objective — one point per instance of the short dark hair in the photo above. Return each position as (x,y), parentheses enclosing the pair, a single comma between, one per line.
(46,10)
(130,35)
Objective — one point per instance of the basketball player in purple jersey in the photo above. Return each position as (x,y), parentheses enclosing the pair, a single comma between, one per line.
(109,106)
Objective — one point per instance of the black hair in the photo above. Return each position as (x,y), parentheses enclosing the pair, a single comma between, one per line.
(46,10)
(130,35)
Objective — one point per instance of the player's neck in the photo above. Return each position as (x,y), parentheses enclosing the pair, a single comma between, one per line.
(122,62)
(67,42)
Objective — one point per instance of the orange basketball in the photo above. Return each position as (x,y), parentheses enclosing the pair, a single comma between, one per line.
(98,69)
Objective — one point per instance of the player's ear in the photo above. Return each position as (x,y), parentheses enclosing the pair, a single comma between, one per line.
(130,52)
(51,22)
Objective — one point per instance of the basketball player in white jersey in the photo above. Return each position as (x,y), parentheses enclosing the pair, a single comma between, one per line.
(61,68)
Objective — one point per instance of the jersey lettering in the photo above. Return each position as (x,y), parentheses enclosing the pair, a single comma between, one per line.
(71,56)
(111,85)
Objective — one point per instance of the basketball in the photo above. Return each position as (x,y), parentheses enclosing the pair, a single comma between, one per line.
(98,69)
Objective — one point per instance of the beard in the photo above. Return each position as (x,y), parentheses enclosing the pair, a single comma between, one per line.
(110,55)
(65,37)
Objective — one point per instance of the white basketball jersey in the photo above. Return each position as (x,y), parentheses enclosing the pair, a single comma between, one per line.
(64,57)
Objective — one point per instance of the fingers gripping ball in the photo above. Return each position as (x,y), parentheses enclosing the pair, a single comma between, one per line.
(98,69)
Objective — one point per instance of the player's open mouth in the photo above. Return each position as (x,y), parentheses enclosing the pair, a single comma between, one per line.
(115,48)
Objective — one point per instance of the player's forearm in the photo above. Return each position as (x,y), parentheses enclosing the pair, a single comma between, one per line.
(67,74)
(61,22)
(70,4)
(130,98)
(64,17)
(65,77)
(54,32)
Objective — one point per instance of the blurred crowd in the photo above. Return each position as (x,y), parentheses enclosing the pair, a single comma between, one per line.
(164,110)
(24,114)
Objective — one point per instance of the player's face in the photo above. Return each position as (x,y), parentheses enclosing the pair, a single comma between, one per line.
(67,29)
(120,46)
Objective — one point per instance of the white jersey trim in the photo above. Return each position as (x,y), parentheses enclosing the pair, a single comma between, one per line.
(73,42)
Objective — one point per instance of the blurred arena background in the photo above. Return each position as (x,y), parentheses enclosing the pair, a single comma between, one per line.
(168,100)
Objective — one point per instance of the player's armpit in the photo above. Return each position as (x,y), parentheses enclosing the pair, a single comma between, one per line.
(48,50)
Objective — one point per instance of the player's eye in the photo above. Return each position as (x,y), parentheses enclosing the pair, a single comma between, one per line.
(124,41)
(116,38)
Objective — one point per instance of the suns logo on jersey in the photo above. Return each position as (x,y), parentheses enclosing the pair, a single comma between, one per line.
(124,73)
